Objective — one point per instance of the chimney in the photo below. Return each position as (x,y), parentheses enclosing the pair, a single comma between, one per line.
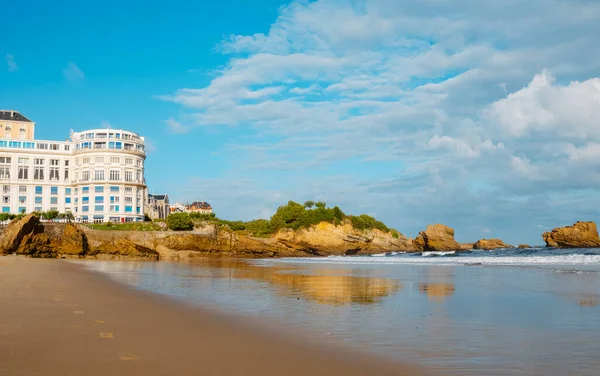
(12,113)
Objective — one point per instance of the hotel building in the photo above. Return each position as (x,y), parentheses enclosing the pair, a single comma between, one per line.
(97,175)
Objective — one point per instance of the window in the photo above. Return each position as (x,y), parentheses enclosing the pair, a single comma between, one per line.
(42,146)
(54,173)
(66,174)
(114,188)
(85,175)
(53,200)
(98,174)
(114,199)
(99,159)
(85,189)
(138,162)
(85,209)
(67,191)
(129,161)
(4,172)
(38,161)
(38,199)
(6,188)
(6,209)
(115,160)
(22,209)
(98,189)
(38,190)
(22,199)
(54,147)
(67,147)
(5,160)
(114,208)
(38,173)
(99,199)
(67,200)
(6,199)
(23,173)
(38,209)
(128,200)
(22,189)
(128,175)
(85,160)
(138,176)
(128,209)
(115,175)
(53,190)
(54,162)
(23,161)
(67,163)
(99,208)
(85,200)
(128,189)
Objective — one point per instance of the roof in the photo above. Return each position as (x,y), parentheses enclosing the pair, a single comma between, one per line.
(157,197)
(13,116)
(200,205)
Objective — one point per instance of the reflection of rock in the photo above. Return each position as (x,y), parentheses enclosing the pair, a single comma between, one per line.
(437,291)
(580,235)
(489,244)
(436,238)
(589,302)
(325,287)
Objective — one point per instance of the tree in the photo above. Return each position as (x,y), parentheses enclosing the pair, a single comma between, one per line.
(288,216)
(320,205)
(51,214)
(338,214)
(180,222)
(309,204)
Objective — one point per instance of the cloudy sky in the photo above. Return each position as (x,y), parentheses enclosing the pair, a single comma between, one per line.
(481,115)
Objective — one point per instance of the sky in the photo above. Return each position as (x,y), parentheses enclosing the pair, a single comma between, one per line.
(482,115)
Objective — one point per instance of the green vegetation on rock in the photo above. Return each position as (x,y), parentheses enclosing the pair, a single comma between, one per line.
(180,222)
(127,226)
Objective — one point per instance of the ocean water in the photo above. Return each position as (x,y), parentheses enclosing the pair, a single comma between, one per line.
(504,312)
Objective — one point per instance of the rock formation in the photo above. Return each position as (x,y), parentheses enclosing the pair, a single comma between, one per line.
(580,235)
(523,246)
(489,244)
(436,238)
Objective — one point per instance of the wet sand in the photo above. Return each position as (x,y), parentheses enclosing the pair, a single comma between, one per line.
(58,319)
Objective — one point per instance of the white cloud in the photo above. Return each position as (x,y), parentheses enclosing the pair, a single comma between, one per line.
(441,110)
(73,73)
(12,64)
(177,127)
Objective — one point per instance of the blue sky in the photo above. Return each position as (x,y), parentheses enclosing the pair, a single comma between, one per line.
(480,115)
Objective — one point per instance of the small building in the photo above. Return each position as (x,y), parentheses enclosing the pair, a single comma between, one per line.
(201,207)
(178,207)
(157,206)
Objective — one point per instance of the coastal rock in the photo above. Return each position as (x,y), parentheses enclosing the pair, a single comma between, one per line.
(524,246)
(123,249)
(580,235)
(489,244)
(436,238)
(16,230)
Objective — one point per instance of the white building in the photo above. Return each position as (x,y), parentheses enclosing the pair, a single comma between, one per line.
(97,175)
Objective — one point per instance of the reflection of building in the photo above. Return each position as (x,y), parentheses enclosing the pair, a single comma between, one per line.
(97,175)
(201,207)
(157,206)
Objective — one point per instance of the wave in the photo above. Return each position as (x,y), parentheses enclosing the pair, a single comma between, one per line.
(437,254)
(572,259)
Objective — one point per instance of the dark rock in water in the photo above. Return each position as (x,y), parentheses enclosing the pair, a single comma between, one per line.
(489,244)
(580,235)
(523,246)
(436,238)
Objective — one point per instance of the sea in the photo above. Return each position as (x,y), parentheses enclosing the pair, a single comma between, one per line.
(504,312)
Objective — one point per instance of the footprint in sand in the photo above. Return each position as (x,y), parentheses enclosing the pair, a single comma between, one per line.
(107,335)
(128,356)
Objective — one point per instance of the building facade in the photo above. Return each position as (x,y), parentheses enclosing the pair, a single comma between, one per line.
(158,206)
(97,175)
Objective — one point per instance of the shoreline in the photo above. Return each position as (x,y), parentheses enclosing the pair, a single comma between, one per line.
(58,318)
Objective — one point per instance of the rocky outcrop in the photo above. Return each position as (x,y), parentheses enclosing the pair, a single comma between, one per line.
(580,235)
(489,244)
(436,238)
(29,237)
(523,246)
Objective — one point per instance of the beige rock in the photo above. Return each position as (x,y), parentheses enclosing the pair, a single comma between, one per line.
(580,235)
(522,246)
(489,244)
(436,238)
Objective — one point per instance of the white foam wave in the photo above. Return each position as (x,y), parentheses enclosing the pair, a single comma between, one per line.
(433,254)
(484,260)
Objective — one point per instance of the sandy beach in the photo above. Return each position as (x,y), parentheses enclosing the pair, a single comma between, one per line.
(58,319)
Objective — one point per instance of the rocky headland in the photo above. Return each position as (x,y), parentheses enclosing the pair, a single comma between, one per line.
(491,244)
(580,235)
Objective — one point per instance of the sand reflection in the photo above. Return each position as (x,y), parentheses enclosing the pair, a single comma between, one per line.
(325,286)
